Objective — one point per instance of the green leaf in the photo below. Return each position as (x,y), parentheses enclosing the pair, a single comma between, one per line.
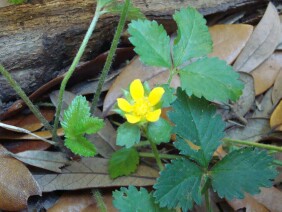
(168,96)
(103,3)
(244,170)
(198,129)
(123,162)
(179,185)
(193,37)
(16,1)
(151,42)
(211,78)
(132,14)
(129,200)
(77,122)
(159,131)
(128,135)
(81,146)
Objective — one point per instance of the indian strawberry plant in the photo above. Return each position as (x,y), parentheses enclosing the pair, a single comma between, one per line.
(192,118)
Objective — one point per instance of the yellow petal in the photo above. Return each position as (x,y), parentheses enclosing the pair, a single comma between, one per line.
(136,90)
(132,119)
(156,95)
(154,115)
(124,105)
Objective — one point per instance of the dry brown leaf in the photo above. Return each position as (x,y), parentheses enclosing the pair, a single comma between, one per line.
(17,183)
(276,117)
(277,88)
(265,74)
(249,203)
(262,42)
(108,200)
(93,173)
(229,40)
(270,198)
(136,70)
(25,145)
(264,108)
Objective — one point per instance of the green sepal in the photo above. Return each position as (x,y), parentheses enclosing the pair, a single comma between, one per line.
(130,199)
(198,128)
(128,135)
(179,185)
(243,170)
(159,131)
(123,162)
(211,78)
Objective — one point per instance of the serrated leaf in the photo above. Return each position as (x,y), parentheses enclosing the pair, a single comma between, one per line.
(128,135)
(123,162)
(179,185)
(197,127)
(128,200)
(81,146)
(151,42)
(193,37)
(211,78)
(243,170)
(159,131)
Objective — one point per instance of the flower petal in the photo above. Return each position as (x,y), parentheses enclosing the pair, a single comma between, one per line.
(132,119)
(124,105)
(154,115)
(136,90)
(156,95)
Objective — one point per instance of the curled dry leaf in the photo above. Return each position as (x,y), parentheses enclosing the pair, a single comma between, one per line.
(136,70)
(93,173)
(277,88)
(17,183)
(265,74)
(229,40)
(276,117)
(262,42)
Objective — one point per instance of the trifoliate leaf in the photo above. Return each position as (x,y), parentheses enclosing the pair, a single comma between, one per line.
(179,185)
(159,131)
(211,78)
(77,122)
(81,146)
(129,200)
(128,135)
(193,37)
(151,42)
(133,13)
(197,127)
(123,162)
(243,170)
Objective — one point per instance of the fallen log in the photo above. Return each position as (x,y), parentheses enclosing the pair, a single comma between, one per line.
(40,38)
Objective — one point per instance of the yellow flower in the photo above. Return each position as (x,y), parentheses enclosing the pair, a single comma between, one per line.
(141,108)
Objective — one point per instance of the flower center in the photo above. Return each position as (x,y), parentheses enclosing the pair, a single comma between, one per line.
(141,107)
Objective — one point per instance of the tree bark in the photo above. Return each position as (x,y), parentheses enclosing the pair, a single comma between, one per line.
(39,39)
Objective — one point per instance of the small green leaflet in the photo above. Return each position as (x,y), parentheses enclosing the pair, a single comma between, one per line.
(243,170)
(129,200)
(151,42)
(198,129)
(211,78)
(193,37)
(77,122)
(128,135)
(179,185)
(123,162)
(159,131)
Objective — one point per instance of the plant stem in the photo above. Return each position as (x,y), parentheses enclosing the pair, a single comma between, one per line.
(208,203)
(162,156)
(156,155)
(74,64)
(249,143)
(277,162)
(25,98)
(142,143)
(99,201)
(110,56)
(171,74)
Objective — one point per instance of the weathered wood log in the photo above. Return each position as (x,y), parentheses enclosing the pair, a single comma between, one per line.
(38,40)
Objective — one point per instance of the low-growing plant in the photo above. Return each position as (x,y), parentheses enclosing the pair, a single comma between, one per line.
(192,118)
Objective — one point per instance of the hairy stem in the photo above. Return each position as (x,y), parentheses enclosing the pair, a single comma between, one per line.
(208,202)
(99,200)
(249,143)
(110,56)
(162,156)
(156,155)
(25,98)
(74,64)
